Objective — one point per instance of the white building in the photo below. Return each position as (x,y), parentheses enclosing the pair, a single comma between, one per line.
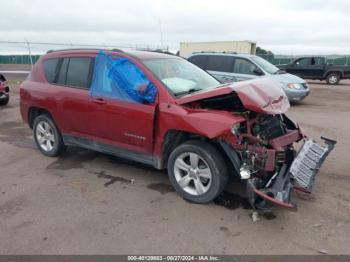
(245,47)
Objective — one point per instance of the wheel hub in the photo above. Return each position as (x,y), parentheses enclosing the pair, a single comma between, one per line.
(192,173)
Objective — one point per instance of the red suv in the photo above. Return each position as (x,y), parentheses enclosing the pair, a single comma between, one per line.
(161,110)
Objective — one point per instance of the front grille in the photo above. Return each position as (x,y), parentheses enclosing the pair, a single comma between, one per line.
(308,161)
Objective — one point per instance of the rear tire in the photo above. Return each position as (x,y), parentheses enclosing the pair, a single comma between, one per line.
(333,78)
(197,171)
(47,136)
(5,102)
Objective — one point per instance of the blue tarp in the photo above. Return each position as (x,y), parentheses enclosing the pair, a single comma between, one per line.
(119,78)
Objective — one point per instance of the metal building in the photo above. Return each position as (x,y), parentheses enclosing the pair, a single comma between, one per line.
(246,47)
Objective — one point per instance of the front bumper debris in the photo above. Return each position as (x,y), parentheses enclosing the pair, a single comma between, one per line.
(299,175)
(308,161)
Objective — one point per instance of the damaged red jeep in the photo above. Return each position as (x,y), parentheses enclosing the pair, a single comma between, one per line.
(163,111)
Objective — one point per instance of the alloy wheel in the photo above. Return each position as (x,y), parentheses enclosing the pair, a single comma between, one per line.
(45,136)
(192,173)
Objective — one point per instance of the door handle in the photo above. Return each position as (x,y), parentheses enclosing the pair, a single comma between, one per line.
(99,101)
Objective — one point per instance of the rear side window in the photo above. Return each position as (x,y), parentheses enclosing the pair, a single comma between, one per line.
(198,60)
(50,69)
(243,66)
(220,63)
(75,72)
(78,71)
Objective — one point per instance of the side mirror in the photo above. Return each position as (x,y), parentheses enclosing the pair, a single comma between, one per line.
(258,72)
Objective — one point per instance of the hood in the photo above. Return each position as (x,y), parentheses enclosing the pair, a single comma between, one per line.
(262,95)
(287,78)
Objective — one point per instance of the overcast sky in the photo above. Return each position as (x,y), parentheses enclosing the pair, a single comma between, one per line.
(284,27)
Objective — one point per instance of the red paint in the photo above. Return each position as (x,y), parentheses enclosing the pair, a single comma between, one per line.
(273,200)
(258,95)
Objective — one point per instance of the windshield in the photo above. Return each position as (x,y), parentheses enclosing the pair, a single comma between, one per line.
(180,76)
(267,66)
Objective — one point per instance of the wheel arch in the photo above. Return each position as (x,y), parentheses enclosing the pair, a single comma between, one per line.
(341,73)
(174,138)
(34,112)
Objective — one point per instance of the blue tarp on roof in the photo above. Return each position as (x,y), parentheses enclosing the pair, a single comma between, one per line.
(119,78)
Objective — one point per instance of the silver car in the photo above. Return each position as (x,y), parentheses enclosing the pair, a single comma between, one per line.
(232,67)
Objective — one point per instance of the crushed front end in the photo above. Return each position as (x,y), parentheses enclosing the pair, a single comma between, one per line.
(261,144)
(269,163)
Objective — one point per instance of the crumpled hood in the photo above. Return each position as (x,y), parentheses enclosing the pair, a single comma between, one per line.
(262,95)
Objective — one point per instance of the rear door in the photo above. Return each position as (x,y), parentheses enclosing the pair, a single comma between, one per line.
(316,67)
(243,69)
(72,86)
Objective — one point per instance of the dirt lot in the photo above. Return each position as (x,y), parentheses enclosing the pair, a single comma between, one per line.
(89,203)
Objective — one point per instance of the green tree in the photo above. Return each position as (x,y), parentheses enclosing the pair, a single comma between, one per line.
(264,53)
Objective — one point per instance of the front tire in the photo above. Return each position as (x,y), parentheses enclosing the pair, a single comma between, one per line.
(333,78)
(47,136)
(197,171)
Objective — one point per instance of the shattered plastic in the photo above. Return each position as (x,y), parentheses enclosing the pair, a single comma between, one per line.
(119,78)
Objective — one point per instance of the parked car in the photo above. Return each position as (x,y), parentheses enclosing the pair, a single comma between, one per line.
(164,111)
(4,91)
(233,67)
(317,68)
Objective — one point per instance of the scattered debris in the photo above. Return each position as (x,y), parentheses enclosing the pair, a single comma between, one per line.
(322,251)
(255,216)
(316,225)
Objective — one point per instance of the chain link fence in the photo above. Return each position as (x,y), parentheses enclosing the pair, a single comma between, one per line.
(13,52)
(29,52)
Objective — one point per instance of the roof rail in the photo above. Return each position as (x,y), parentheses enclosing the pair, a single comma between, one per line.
(224,52)
(93,49)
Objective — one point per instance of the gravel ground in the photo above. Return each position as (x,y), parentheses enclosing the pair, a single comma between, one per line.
(90,203)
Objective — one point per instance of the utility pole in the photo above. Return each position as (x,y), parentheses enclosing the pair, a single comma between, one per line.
(161,33)
(30,53)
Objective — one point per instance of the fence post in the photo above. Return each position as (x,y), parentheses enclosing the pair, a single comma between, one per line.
(30,53)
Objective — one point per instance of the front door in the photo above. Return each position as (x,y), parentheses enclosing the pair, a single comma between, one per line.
(300,67)
(125,125)
(121,118)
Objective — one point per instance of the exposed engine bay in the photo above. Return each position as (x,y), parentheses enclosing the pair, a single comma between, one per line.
(263,153)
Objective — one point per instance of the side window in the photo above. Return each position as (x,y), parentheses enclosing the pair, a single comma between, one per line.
(119,78)
(243,66)
(302,62)
(62,75)
(198,60)
(316,61)
(50,67)
(78,71)
(220,63)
